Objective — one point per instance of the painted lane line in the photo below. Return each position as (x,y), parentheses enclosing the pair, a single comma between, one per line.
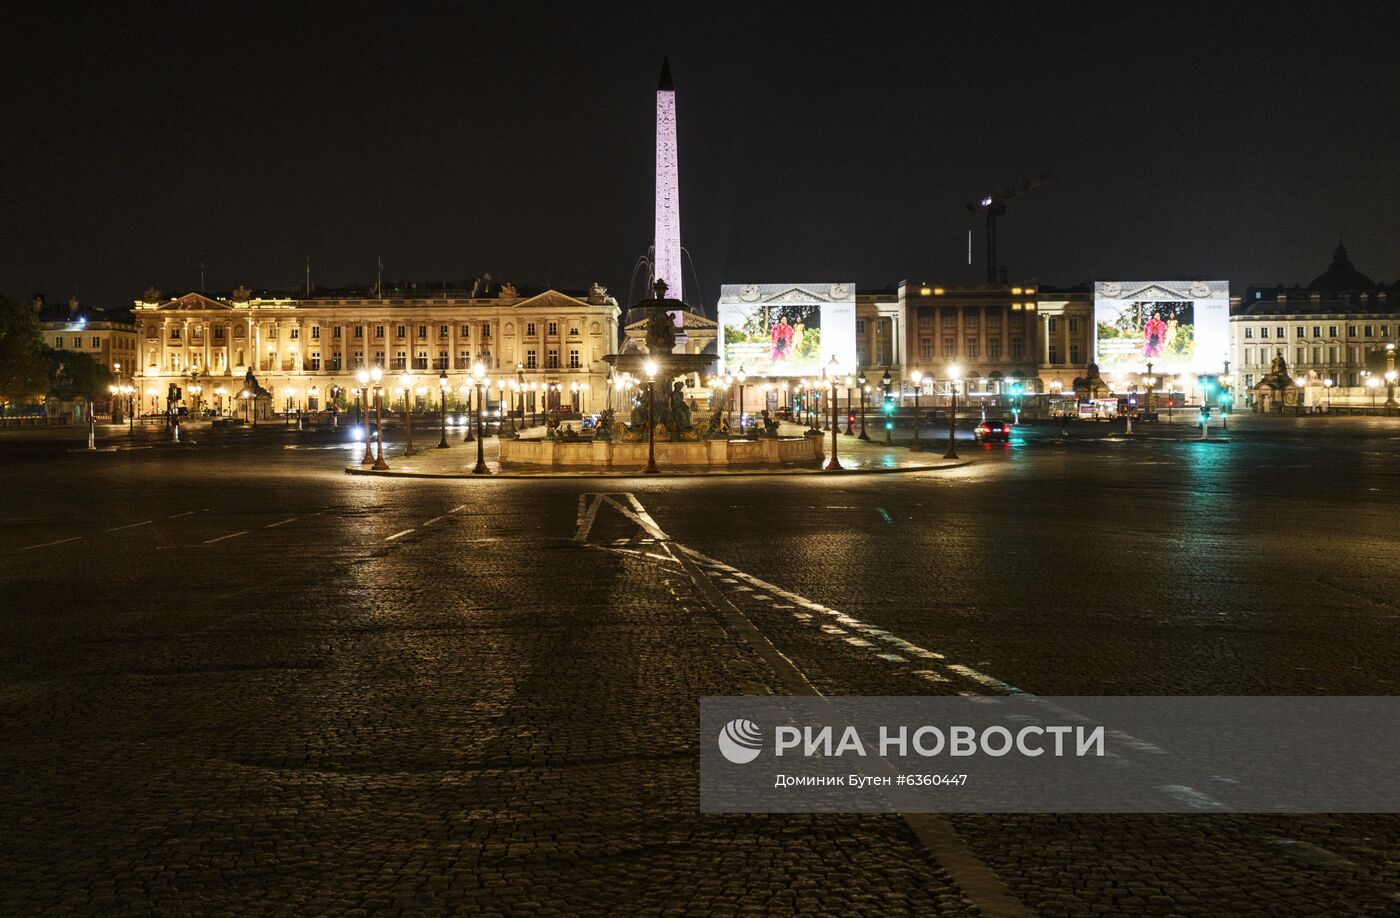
(130,526)
(457,509)
(178,515)
(47,544)
(282,523)
(399,535)
(231,535)
(434,520)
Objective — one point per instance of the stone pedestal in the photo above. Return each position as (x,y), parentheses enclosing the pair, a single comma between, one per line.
(695,455)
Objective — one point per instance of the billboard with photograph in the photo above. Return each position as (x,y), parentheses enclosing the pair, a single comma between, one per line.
(787,329)
(1177,326)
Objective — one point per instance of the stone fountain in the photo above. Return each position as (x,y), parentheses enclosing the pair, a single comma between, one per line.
(682,441)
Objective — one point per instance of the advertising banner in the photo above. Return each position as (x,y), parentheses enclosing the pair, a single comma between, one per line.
(1177,326)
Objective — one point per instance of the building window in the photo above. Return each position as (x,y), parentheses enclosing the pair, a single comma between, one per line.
(174,333)
(553,329)
(314,361)
(218,333)
(400,331)
(1317,331)
(1050,325)
(443,330)
(551,359)
(1074,353)
(1302,356)
(1368,330)
(1331,331)
(379,358)
(531,361)
(400,360)
(1018,348)
(860,324)
(573,359)
(1054,353)
(359,331)
(57,342)
(1351,331)
(335,331)
(379,331)
(926,348)
(1301,331)
(950,347)
(1263,331)
(422,331)
(1278,332)
(486,330)
(315,331)
(1073,329)
(96,341)
(994,348)
(573,331)
(296,332)
(994,319)
(970,316)
(1317,355)
(530,328)
(464,359)
(464,332)
(441,361)
(421,362)
(1249,380)
(971,344)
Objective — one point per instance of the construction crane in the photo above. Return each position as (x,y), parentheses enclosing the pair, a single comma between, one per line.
(995,206)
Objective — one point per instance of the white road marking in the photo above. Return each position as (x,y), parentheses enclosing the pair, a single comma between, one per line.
(130,526)
(456,509)
(434,520)
(47,544)
(231,535)
(178,515)
(282,523)
(399,535)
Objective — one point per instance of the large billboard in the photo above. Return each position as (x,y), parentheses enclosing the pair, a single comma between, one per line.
(1177,326)
(787,329)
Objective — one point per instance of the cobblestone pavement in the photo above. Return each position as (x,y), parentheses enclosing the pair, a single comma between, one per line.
(237,680)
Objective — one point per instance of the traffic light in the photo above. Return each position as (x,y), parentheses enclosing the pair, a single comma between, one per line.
(888,409)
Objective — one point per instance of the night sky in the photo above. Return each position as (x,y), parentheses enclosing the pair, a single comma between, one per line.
(817,142)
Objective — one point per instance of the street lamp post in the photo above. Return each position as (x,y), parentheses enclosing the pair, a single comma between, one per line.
(1327,385)
(834,465)
(954,374)
(917,377)
(363,378)
(377,375)
(442,410)
(651,421)
(406,381)
(465,393)
(1390,375)
(864,393)
(478,374)
(850,415)
(741,376)
(885,383)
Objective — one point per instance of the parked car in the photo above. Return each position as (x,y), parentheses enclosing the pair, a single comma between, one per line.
(992,432)
(783,413)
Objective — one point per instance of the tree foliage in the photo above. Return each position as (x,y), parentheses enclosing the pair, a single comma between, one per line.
(74,375)
(23,366)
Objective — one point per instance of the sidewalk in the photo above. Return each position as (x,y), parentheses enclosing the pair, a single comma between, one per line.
(856,457)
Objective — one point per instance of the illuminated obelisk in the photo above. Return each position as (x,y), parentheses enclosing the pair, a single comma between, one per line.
(666,259)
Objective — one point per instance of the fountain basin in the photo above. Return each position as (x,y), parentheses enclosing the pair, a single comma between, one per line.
(698,455)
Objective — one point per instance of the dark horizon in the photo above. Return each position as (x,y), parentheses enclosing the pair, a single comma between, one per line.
(830,143)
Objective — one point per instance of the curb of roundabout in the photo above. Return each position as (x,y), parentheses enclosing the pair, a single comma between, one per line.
(664,473)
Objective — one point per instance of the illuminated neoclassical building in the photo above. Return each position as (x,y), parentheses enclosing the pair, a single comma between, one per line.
(306,351)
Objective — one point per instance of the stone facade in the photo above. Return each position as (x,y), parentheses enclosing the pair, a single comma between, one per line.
(304,351)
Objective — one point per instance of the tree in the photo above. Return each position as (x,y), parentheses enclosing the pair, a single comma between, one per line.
(74,375)
(23,376)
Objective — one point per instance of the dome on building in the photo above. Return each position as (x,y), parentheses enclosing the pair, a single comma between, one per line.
(1341,275)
